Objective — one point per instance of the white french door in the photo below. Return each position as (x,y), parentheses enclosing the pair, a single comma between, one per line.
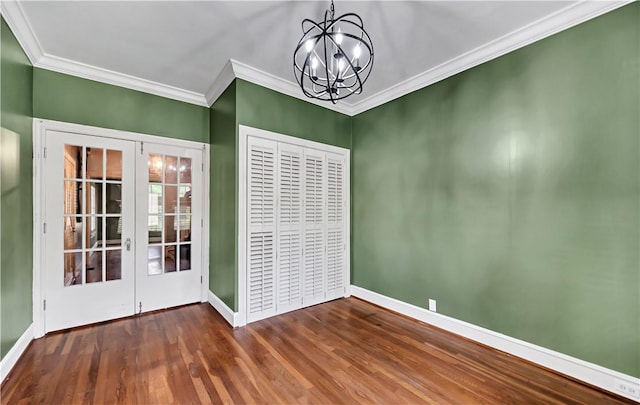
(169,227)
(90,196)
(122,228)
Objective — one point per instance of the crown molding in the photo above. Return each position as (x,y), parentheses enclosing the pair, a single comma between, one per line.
(21,28)
(561,20)
(90,72)
(220,84)
(565,18)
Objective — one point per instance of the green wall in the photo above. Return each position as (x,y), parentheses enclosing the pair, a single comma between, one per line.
(61,97)
(223,195)
(510,193)
(16,214)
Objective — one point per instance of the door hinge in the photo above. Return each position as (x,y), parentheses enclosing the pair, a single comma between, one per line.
(202,167)
(200,279)
(141,148)
(201,222)
(44,305)
(44,227)
(45,152)
(139,307)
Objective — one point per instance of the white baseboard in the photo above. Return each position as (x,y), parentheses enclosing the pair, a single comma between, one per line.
(227,313)
(601,377)
(11,358)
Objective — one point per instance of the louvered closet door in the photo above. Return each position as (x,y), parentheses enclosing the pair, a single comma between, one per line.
(289,228)
(313,273)
(261,216)
(335,227)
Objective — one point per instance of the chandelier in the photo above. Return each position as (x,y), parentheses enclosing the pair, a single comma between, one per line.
(334,57)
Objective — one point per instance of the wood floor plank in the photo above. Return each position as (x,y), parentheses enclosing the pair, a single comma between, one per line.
(343,352)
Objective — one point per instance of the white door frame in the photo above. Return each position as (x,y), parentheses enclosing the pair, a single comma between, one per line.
(243,133)
(40,128)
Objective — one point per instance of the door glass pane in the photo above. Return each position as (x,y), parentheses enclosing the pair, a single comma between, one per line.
(171,169)
(114,198)
(72,162)
(71,205)
(155,229)
(154,260)
(185,170)
(95,163)
(185,199)
(72,232)
(155,168)
(114,264)
(185,256)
(185,228)
(114,231)
(170,258)
(170,228)
(170,199)
(93,262)
(93,232)
(94,197)
(72,267)
(114,165)
(155,198)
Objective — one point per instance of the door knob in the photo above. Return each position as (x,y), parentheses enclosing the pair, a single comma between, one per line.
(128,244)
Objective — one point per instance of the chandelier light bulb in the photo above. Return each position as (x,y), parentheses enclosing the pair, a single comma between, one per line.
(357,51)
(341,65)
(339,37)
(314,62)
(308,45)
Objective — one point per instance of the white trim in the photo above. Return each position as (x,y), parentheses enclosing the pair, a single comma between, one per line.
(86,71)
(21,28)
(222,308)
(39,260)
(220,84)
(561,20)
(206,160)
(50,125)
(590,373)
(13,355)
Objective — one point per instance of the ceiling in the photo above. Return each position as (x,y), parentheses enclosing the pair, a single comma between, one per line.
(183,49)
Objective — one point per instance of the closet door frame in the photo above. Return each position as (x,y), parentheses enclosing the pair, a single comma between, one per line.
(243,133)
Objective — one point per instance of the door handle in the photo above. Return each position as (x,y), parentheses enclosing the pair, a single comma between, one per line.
(128,244)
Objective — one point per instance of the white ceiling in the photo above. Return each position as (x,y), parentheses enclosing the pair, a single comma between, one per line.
(185,45)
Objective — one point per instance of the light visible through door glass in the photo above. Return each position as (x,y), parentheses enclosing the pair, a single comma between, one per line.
(170,170)
(155,168)
(185,170)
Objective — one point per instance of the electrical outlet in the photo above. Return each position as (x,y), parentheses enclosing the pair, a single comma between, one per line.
(630,389)
(432,305)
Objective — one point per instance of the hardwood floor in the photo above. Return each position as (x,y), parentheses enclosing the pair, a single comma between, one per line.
(345,351)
